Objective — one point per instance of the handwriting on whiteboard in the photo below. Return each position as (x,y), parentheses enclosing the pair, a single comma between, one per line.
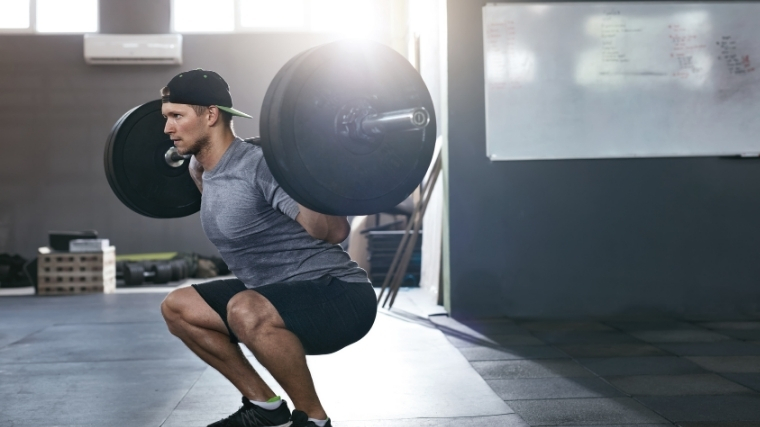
(737,63)
(614,30)
(687,49)
(507,65)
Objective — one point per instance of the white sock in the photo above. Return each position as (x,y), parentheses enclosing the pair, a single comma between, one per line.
(269,406)
(319,423)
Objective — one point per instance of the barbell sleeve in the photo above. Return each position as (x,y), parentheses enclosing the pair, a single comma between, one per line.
(177,156)
(395,121)
(174,159)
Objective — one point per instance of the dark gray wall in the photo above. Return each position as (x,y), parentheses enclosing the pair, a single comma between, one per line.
(135,16)
(55,115)
(676,236)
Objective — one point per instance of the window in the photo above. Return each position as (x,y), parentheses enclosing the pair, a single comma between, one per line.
(49,16)
(267,14)
(14,14)
(67,16)
(350,17)
(203,16)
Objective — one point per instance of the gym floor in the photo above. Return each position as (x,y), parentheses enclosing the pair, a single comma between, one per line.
(95,360)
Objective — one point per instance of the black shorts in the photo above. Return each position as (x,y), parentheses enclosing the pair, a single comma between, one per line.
(326,314)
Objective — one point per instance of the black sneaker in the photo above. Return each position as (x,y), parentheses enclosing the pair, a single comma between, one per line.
(250,415)
(300,419)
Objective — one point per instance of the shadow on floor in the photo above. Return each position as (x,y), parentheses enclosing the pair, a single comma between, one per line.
(618,372)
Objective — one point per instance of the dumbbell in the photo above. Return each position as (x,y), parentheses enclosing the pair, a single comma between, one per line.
(135,274)
(179,269)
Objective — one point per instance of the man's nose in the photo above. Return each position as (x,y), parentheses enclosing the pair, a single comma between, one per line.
(168,128)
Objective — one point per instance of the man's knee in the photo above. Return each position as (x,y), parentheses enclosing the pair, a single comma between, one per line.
(248,313)
(172,308)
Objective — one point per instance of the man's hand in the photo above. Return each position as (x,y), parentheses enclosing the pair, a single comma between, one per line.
(196,172)
(332,229)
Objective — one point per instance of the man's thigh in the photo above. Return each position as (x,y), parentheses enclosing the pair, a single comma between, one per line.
(325,314)
(216,295)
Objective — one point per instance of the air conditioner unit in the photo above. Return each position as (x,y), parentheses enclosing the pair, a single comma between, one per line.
(133,49)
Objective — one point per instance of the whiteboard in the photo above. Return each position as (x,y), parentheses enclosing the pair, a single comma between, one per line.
(622,79)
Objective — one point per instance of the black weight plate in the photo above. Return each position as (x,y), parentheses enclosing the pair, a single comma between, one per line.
(303,149)
(162,273)
(178,270)
(267,109)
(107,155)
(136,170)
(182,271)
(134,274)
(272,124)
(107,160)
(175,270)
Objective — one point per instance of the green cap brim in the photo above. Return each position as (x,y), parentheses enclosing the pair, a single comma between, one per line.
(234,112)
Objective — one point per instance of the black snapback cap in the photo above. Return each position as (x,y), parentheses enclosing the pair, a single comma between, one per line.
(200,87)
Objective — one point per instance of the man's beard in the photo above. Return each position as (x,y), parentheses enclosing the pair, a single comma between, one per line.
(197,147)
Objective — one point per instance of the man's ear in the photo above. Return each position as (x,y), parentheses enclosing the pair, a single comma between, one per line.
(214,115)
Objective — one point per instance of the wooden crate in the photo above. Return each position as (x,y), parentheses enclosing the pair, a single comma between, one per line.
(60,273)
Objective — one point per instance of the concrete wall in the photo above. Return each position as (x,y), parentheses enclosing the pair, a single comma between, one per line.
(590,237)
(56,113)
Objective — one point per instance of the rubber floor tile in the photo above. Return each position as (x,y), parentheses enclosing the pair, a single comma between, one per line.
(584,337)
(706,408)
(654,365)
(676,385)
(744,335)
(729,364)
(497,328)
(512,353)
(650,325)
(494,341)
(96,342)
(115,393)
(512,420)
(748,380)
(612,350)
(552,388)
(724,348)
(679,336)
(732,326)
(518,369)
(604,411)
(559,326)
(718,424)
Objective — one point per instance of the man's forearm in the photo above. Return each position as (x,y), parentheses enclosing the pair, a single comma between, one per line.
(333,229)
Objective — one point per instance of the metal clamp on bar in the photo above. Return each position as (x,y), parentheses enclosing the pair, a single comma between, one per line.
(174,159)
(395,121)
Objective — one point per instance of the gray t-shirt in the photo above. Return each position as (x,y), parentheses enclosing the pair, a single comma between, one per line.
(251,220)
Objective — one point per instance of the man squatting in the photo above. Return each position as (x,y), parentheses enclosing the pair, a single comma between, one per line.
(296,293)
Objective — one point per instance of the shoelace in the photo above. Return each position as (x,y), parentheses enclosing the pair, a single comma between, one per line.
(251,418)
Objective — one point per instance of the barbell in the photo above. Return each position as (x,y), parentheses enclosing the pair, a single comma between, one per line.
(346,128)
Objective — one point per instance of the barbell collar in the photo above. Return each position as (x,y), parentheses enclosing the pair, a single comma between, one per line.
(174,159)
(395,121)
